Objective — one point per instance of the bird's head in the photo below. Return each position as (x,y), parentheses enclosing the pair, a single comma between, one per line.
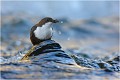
(47,20)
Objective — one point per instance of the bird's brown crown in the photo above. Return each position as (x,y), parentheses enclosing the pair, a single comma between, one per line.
(45,20)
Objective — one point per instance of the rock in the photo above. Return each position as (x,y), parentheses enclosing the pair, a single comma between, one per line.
(48,50)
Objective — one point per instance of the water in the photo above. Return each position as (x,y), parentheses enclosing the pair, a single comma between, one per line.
(12,59)
(91,41)
(73,9)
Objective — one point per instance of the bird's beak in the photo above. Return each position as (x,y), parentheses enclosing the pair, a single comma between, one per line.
(55,21)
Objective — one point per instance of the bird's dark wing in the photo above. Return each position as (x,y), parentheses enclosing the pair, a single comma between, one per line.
(33,39)
(32,30)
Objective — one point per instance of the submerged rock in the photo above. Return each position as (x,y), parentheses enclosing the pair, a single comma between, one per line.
(98,64)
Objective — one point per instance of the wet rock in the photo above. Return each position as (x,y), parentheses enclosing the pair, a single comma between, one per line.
(48,50)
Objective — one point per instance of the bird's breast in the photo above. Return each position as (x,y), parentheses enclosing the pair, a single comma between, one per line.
(43,32)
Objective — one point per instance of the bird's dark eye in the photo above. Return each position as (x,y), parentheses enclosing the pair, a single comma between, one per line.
(48,20)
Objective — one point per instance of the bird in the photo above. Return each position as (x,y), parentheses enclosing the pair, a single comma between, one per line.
(42,30)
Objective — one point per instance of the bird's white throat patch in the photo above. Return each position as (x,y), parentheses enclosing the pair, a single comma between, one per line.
(44,32)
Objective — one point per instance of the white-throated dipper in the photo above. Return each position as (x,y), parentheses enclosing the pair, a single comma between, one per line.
(42,31)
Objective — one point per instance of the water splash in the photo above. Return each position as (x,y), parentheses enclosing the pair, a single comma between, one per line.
(15,58)
(59,32)
(61,22)
(68,38)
